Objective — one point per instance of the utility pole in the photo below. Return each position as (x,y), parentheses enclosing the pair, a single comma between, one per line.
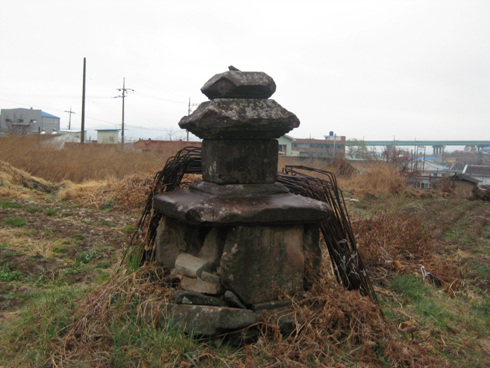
(69,119)
(124,92)
(82,133)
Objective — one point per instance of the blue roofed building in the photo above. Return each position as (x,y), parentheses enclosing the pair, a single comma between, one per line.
(27,121)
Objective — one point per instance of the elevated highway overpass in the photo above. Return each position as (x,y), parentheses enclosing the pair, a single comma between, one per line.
(438,146)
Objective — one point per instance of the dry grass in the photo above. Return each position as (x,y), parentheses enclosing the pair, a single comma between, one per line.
(340,328)
(130,192)
(376,180)
(319,163)
(78,163)
(16,183)
(369,180)
(17,239)
(340,167)
(393,242)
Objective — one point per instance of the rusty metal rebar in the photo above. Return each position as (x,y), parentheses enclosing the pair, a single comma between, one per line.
(337,231)
(186,161)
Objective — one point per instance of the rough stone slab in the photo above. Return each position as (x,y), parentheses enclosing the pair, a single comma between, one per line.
(213,247)
(239,118)
(260,263)
(271,305)
(238,84)
(234,190)
(210,277)
(209,320)
(189,265)
(233,300)
(174,237)
(193,298)
(200,286)
(201,208)
(240,161)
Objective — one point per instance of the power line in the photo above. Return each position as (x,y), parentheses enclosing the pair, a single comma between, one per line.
(159,98)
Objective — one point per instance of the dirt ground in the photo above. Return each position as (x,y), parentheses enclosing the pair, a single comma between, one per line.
(43,241)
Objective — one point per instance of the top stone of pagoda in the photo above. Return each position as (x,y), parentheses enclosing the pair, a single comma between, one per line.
(239,108)
(238,84)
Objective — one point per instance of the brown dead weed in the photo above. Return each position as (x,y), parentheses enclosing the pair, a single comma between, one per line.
(374,180)
(339,328)
(130,192)
(334,327)
(16,183)
(42,157)
(399,242)
(127,193)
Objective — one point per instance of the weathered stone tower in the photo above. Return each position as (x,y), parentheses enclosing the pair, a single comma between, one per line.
(238,239)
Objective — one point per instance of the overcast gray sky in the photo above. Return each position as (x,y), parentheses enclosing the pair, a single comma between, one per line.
(363,69)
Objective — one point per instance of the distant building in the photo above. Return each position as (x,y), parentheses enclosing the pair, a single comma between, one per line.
(108,136)
(73,135)
(425,172)
(27,121)
(331,146)
(66,137)
(286,146)
(479,172)
(460,185)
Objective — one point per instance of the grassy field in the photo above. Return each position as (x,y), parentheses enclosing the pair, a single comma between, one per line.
(65,301)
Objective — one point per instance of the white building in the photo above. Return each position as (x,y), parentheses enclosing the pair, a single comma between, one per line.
(108,136)
(285,146)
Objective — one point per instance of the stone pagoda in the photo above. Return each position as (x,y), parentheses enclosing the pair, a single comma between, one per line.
(238,240)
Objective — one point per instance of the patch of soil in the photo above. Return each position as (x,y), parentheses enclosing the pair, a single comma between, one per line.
(82,243)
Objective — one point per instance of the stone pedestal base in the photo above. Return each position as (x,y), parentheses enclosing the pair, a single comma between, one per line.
(257,263)
(239,244)
(261,263)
